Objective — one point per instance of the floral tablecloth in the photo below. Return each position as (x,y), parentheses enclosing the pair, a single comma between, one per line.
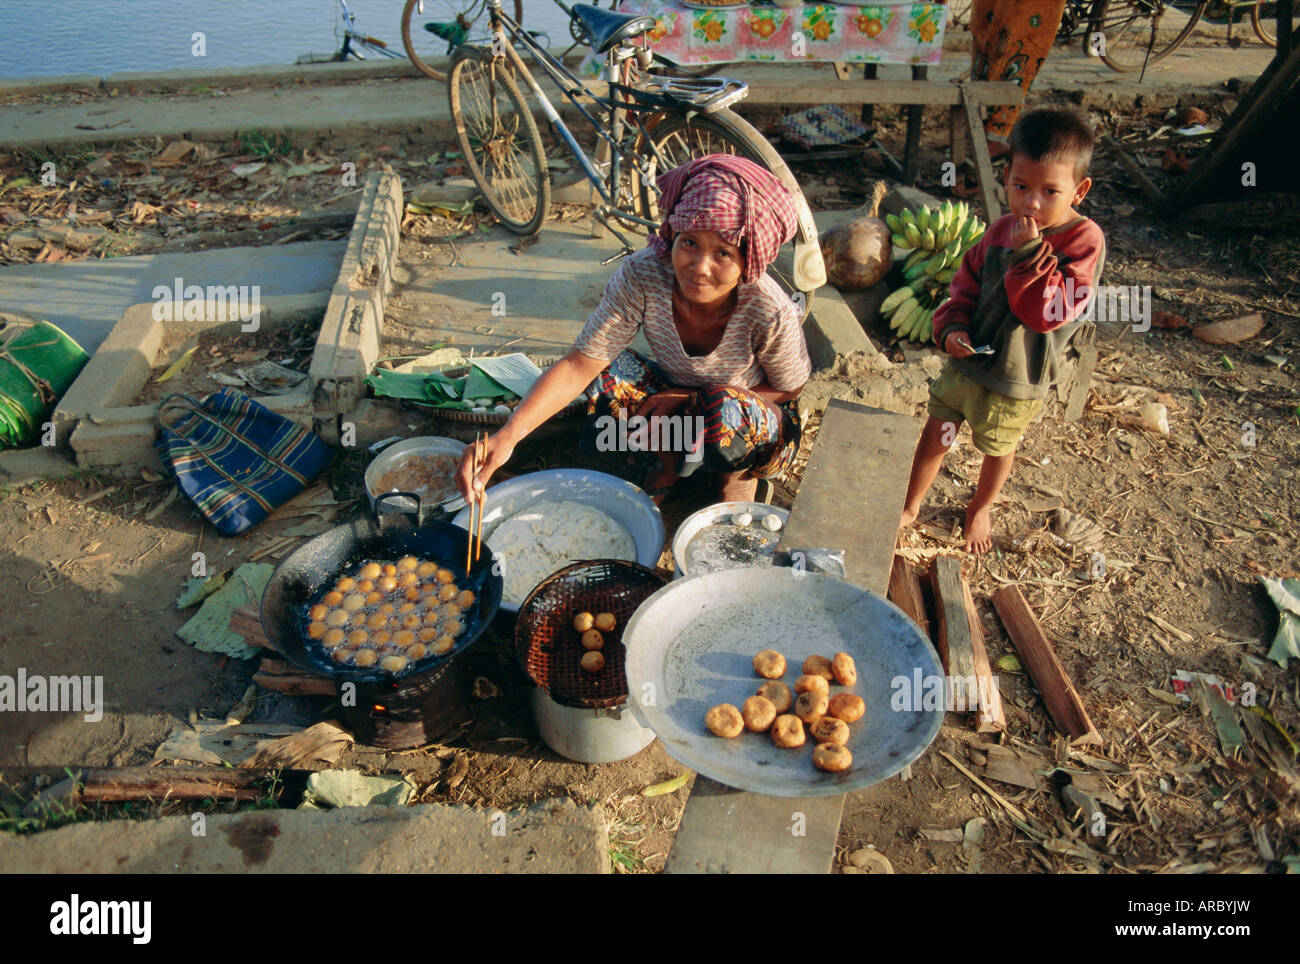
(906,33)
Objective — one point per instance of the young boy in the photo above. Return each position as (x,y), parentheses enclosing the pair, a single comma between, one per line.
(1019,291)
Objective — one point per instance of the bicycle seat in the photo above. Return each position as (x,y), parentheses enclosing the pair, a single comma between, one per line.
(607,28)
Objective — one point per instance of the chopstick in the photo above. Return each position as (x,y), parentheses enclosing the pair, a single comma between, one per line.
(474,542)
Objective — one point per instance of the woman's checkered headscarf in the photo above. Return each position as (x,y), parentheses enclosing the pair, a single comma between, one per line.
(742,201)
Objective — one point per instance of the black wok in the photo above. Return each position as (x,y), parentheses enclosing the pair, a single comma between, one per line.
(305,574)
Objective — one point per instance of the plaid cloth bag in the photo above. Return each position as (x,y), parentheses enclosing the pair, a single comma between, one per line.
(235,459)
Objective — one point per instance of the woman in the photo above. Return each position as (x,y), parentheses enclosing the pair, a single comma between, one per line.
(728,342)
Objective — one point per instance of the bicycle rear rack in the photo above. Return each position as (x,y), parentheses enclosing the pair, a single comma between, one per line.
(705,94)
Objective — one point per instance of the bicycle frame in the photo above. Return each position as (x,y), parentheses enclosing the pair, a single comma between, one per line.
(618,65)
(350,34)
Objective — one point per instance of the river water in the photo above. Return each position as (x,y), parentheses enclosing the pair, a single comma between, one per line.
(44,37)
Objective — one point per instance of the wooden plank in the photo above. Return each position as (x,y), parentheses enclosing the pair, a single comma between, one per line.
(953,632)
(980,148)
(727,831)
(856,443)
(282,677)
(115,785)
(247,622)
(905,593)
(724,830)
(930,93)
(1153,193)
(1059,695)
(990,718)
(1085,341)
(957,135)
(912,143)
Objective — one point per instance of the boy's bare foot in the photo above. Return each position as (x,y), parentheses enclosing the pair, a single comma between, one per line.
(979,530)
(907,518)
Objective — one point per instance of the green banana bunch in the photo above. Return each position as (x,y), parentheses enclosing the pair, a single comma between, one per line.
(937,238)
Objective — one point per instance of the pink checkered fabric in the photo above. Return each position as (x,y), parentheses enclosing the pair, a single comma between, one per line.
(742,201)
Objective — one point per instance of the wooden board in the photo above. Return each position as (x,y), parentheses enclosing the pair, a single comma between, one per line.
(990,718)
(732,831)
(980,148)
(905,593)
(952,632)
(1059,695)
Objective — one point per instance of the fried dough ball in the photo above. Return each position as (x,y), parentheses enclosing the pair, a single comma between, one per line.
(592,640)
(449,610)
(374,597)
(810,707)
(813,684)
(406,607)
(832,757)
(605,622)
(465,598)
(390,570)
(425,570)
(428,634)
(416,652)
(448,592)
(769,664)
(787,731)
(412,621)
(593,661)
(724,720)
(332,598)
(412,594)
(818,666)
(444,575)
(318,611)
(846,672)
(778,694)
(386,583)
(371,570)
(758,713)
(346,584)
(377,620)
(403,638)
(453,627)
(358,637)
(583,622)
(830,730)
(387,608)
(353,601)
(332,639)
(408,579)
(316,629)
(365,658)
(381,638)
(336,618)
(429,592)
(847,707)
(343,656)
(393,664)
(366,586)
(443,644)
(408,564)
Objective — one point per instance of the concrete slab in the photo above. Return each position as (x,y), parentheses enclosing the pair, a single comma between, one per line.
(555,836)
(87,298)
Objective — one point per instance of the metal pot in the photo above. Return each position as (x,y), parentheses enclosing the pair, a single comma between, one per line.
(589,735)
(411,502)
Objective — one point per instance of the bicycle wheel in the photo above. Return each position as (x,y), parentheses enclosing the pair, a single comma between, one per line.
(456,22)
(499,138)
(1132,27)
(676,139)
(1266,26)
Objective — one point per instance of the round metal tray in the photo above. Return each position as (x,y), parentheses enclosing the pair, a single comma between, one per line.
(691,646)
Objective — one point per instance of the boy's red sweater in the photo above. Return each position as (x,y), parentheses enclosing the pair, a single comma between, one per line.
(1024,302)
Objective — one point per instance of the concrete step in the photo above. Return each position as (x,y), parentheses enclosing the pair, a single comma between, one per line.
(551,837)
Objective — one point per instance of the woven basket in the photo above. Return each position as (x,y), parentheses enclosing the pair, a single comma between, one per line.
(550,649)
(38,363)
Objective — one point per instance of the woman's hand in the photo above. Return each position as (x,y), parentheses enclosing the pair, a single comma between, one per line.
(494,454)
(669,402)
(1023,231)
(958,345)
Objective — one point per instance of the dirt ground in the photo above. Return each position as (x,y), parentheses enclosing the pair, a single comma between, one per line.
(91,566)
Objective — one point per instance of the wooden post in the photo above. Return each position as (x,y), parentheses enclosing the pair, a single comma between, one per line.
(869,106)
(980,148)
(954,636)
(1059,695)
(905,593)
(912,145)
(1085,342)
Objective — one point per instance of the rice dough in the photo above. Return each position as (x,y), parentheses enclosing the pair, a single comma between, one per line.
(547,536)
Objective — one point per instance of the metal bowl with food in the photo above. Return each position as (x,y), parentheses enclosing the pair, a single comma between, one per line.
(728,535)
(418,473)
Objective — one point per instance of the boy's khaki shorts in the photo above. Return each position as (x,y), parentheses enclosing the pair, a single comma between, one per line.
(997,422)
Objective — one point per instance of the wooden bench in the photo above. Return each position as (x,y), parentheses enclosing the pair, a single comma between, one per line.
(851,498)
